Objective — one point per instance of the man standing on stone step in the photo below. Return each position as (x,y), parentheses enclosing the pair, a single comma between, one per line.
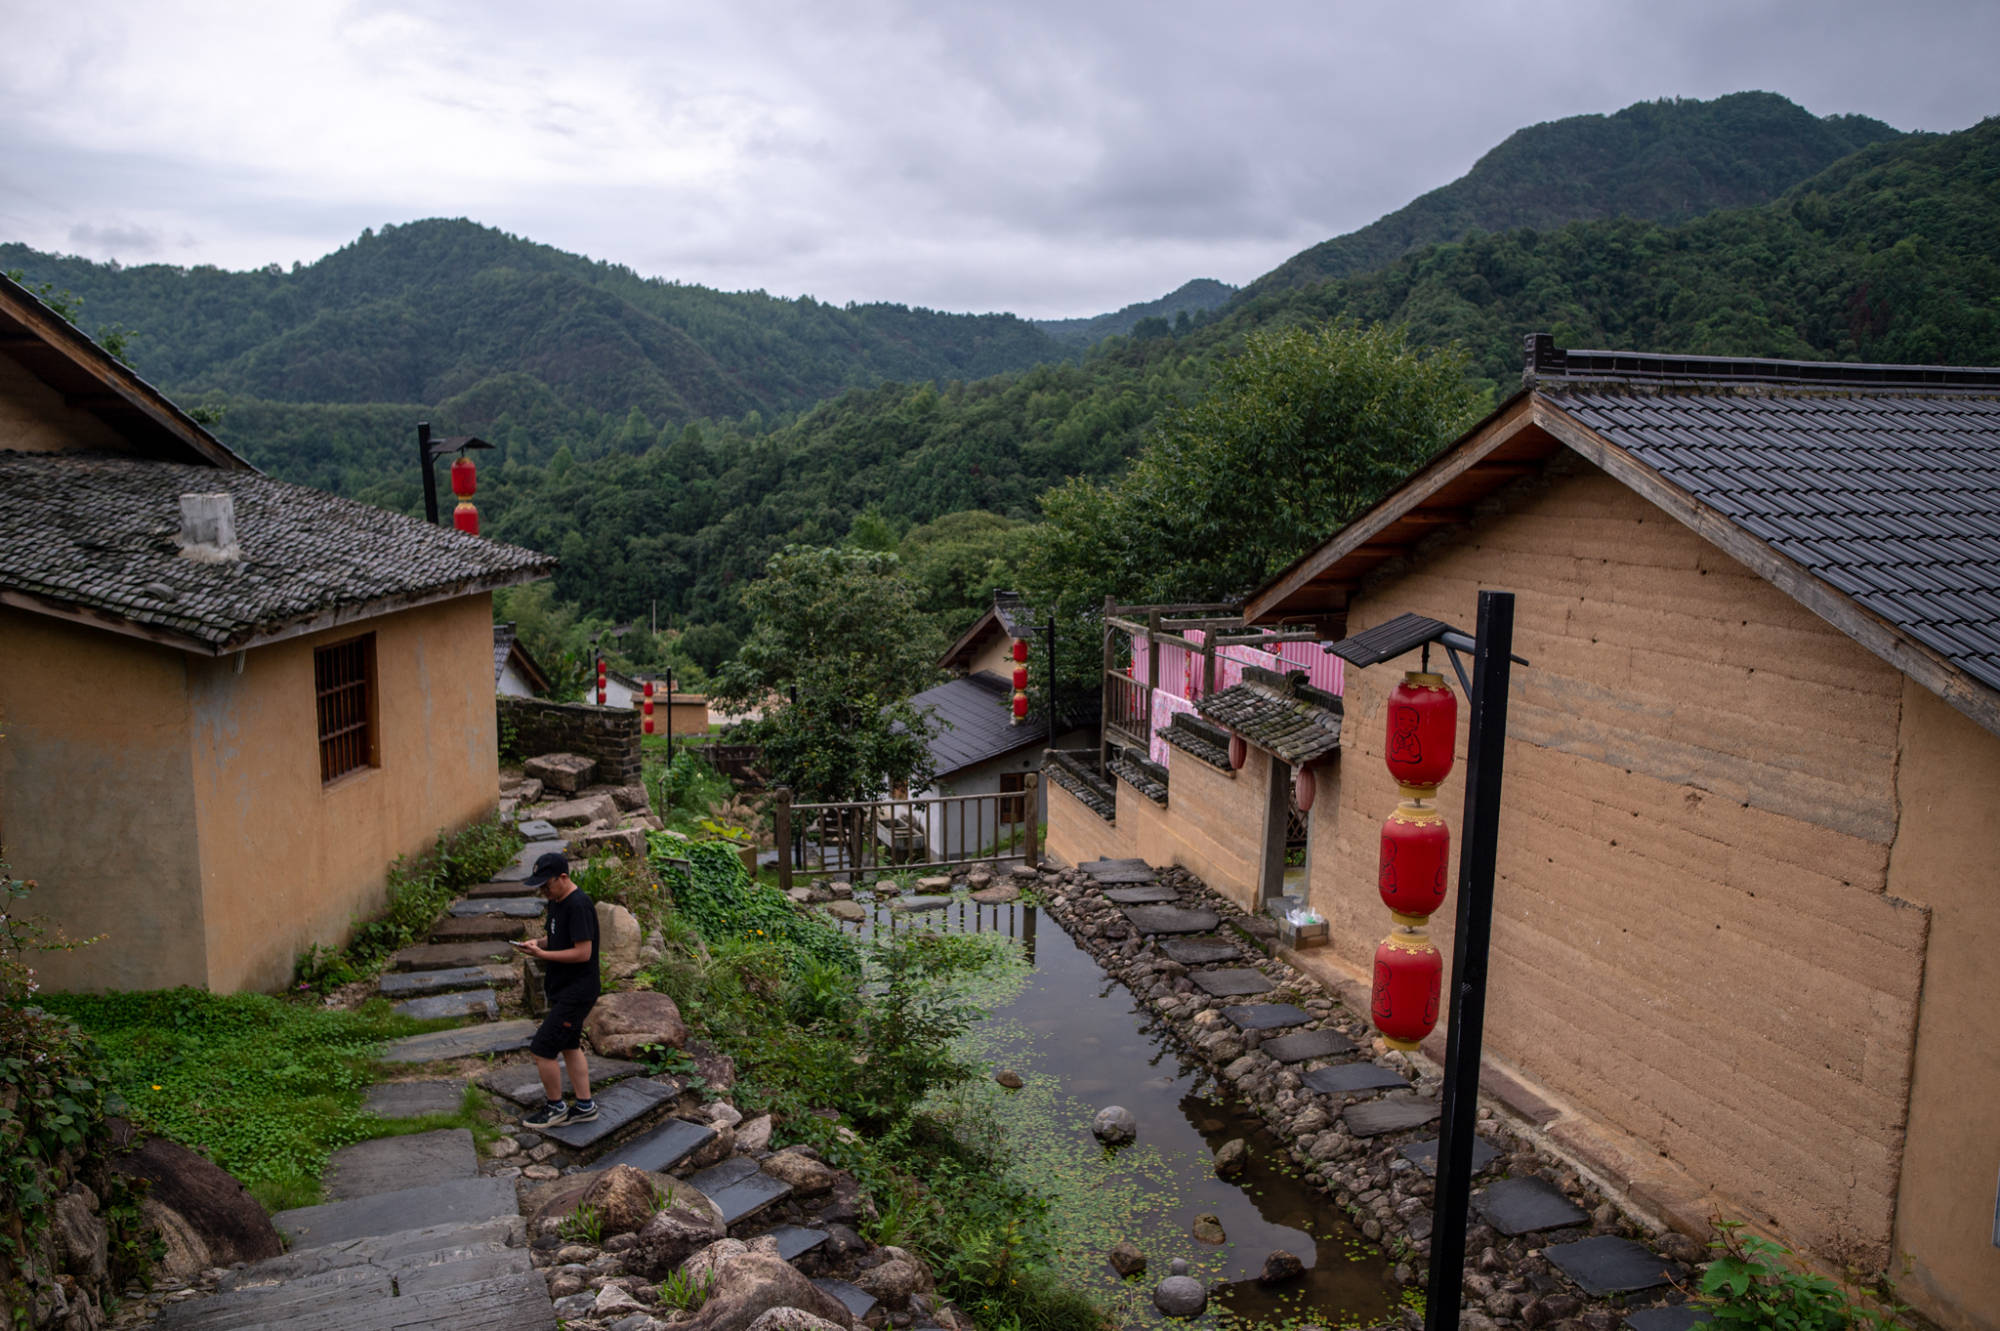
(570,956)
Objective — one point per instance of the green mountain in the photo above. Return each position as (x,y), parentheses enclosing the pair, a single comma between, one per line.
(1190,299)
(1666,161)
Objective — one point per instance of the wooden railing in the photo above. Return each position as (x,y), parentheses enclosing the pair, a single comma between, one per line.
(886,836)
(1128,708)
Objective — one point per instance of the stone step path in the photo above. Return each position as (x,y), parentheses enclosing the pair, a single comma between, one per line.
(1354,1079)
(660,1150)
(520,1082)
(1239,982)
(396,985)
(481,891)
(413,1099)
(619,1106)
(478,929)
(494,1037)
(515,907)
(482,1003)
(450,956)
(739,1188)
(395,1164)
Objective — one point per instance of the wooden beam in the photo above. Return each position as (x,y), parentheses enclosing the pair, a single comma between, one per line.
(1885,640)
(1439,517)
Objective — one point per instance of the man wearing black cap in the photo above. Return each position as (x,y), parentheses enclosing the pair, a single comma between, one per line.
(570,955)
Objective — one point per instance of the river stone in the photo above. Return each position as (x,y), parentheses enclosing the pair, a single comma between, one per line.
(1306,1044)
(1208,1229)
(1279,1267)
(1114,1125)
(1126,1259)
(1180,1294)
(1171,920)
(910,905)
(1266,1016)
(998,895)
(849,911)
(1199,951)
(1232,1158)
(1009,1078)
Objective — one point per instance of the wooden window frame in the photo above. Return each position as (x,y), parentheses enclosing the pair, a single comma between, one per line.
(349,719)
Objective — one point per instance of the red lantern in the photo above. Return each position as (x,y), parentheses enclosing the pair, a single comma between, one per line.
(464,478)
(600,681)
(1021,650)
(1239,751)
(466,518)
(1409,973)
(1423,727)
(1304,787)
(1416,848)
(1020,678)
(1020,707)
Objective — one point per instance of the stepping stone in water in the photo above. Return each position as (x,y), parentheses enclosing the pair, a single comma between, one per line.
(858,1301)
(450,956)
(1354,1078)
(482,1001)
(1170,920)
(1099,868)
(513,889)
(617,1107)
(1231,983)
(1266,1016)
(477,929)
(415,984)
(518,1081)
(1307,1044)
(1391,1113)
(413,1099)
(1199,951)
(393,1164)
(1610,1265)
(662,1148)
(795,1241)
(1425,1155)
(1677,1318)
(1141,896)
(910,905)
(462,1201)
(497,1037)
(517,907)
(1524,1205)
(539,829)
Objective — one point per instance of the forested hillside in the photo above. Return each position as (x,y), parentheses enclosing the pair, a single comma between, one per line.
(1665,161)
(1188,301)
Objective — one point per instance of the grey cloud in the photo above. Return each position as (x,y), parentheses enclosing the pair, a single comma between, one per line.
(116,239)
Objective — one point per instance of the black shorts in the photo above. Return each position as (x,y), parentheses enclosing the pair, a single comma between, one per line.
(563,1027)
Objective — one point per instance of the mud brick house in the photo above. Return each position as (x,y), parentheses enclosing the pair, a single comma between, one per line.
(1748,903)
(227,702)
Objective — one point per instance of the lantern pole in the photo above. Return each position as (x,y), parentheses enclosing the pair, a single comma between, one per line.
(1486,752)
(424,459)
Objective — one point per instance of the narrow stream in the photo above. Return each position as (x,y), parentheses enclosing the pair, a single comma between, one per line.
(1082,1041)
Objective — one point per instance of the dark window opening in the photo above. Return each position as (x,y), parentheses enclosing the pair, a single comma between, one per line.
(344,679)
(1013,798)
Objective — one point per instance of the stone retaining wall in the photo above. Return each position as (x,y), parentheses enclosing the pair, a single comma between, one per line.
(608,734)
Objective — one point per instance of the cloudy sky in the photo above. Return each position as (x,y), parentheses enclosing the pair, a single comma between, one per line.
(1047,158)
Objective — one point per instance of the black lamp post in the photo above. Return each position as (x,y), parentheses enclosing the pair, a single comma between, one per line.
(429,450)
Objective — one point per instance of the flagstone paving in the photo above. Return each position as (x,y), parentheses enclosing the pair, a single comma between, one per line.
(494,1037)
(477,929)
(480,891)
(1678,1318)
(456,1202)
(413,1099)
(739,1189)
(392,1164)
(661,1149)
(1141,896)
(858,1301)
(415,984)
(539,829)
(517,907)
(451,956)
(795,1241)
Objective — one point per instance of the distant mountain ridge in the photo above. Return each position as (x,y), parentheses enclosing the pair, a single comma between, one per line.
(1195,297)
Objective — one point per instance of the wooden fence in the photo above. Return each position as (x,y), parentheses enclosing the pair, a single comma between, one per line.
(888,836)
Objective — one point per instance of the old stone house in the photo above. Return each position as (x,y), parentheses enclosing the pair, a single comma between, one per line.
(1747,890)
(227,702)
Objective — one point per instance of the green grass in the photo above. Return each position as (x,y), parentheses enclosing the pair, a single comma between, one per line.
(268,1088)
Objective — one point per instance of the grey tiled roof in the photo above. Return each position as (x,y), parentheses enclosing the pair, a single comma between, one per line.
(1892,497)
(1278,713)
(1148,778)
(1092,791)
(503,642)
(974,723)
(98,534)
(1191,735)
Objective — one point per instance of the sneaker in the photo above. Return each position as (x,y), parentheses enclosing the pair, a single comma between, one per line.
(583,1111)
(552,1116)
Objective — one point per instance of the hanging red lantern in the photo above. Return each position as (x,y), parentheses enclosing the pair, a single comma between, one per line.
(600,681)
(1020,707)
(646,707)
(1021,650)
(466,518)
(464,478)
(1304,787)
(1423,727)
(1416,848)
(1020,678)
(1409,974)
(1239,751)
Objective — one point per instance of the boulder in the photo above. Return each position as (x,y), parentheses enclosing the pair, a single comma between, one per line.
(582,813)
(672,1236)
(717,1069)
(997,896)
(1279,1267)
(791,1319)
(1180,1294)
(622,1023)
(632,799)
(623,1197)
(231,1224)
(935,883)
(1009,1078)
(627,843)
(754,1135)
(186,1255)
(618,939)
(715,1150)
(1230,1160)
(895,1279)
(750,1285)
(527,790)
(1125,1258)
(1208,1229)
(613,1301)
(567,772)
(701,1268)
(846,910)
(81,1234)
(724,1115)
(808,1177)
(1114,1125)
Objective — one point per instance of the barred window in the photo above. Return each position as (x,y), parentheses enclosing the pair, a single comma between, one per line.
(344,677)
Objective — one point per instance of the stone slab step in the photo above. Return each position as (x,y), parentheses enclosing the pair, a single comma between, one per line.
(462,1201)
(1266,1016)
(731,1171)
(1199,951)
(494,1037)
(496,889)
(515,907)
(394,1164)
(477,929)
(1354,1079)
(858,1301)
(271,1305)
(450,956)
(1678,1317)
(520,1083)
(1610,1265)
(413,1099)
(1307,1044)
(1526,1205)
(912,905)
(661,1149)
(1119,871)
(539,829)
(1391,1113)
(516,1301)
(618,1107)
(795,1241)
(1425,1155)
(1236,982)
(739,1189)
(477,1002)
(397,985)
(1141,896)
(1171,920)
(395,1254)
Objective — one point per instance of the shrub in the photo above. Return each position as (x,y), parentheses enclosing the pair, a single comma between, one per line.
(718,898)
(1753,1285)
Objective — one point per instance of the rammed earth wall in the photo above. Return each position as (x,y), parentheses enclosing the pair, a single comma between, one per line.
(608,734)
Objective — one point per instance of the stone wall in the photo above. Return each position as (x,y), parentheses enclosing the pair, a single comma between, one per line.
(608,734)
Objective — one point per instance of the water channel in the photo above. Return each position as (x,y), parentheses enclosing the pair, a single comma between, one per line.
(1081,1041)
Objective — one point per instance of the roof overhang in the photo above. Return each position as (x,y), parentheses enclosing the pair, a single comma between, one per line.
(959,655)
(91,379)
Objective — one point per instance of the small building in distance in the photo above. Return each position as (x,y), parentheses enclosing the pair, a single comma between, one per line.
(515,674)
(687,714)
(228,703)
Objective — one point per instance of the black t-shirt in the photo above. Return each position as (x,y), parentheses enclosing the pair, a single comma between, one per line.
(572,920)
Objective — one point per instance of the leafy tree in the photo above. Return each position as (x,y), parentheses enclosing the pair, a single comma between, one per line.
(837,646)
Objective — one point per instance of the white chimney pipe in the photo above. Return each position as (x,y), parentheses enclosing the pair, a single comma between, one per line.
(208,529)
